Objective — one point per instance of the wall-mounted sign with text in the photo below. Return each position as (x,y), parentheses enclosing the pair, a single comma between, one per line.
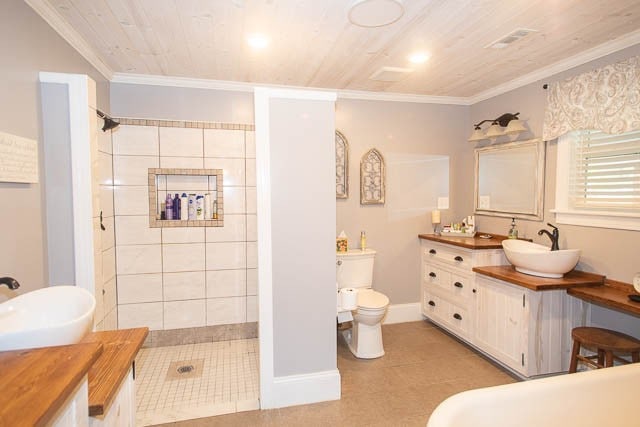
(18,159)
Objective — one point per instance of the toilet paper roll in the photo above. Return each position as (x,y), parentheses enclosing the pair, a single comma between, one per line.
(348,298)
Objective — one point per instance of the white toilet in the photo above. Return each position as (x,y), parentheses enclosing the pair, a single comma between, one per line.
(354,269)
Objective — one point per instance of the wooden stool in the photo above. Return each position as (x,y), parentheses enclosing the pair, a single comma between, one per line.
(606,343)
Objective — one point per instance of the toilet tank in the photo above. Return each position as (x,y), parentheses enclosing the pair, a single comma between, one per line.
(354,268)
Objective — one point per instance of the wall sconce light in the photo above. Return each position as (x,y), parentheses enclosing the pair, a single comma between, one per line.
(509,121)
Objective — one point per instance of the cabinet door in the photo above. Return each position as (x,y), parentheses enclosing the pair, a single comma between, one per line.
(500,323)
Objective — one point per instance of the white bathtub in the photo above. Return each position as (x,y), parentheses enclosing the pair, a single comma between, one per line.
(604,397)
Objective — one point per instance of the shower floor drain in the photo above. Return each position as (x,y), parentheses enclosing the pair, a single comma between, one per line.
(183,369)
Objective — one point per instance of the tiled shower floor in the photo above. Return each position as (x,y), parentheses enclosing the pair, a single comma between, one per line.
(223,380)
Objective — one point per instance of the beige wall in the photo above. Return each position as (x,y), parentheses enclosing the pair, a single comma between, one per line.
(399,131)
(179,103)
(29,45)
(614,253)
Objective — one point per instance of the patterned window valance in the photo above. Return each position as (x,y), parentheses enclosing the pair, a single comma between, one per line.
(605,99)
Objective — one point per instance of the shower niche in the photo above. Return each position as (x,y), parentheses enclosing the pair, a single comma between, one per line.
(204,195)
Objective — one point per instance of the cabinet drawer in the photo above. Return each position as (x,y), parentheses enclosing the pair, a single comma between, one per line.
(447,255)
(460,286)
(451,316)
(434,275)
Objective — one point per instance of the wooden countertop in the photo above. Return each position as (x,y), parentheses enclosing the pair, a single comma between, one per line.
(35,383)
(612,294)
(467,242)
(572,279)
(107,373)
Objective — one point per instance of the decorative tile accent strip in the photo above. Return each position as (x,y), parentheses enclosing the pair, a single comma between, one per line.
(215,333)
(184,124)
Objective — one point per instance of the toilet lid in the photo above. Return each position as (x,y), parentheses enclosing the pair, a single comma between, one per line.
(368,298)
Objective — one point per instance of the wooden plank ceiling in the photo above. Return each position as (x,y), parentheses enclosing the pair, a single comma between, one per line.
(313,44)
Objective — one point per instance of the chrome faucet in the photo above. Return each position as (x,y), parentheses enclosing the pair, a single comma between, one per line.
(554,236)
(10,282)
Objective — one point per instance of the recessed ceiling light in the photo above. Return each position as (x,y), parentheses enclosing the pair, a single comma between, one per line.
(257,41)
(419,57)
(375,13)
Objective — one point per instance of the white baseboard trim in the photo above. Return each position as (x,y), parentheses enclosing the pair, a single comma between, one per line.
(302,389)
(400,313)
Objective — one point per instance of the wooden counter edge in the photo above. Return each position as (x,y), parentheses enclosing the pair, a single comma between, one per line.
(527,281)
(613,295)
(86,353)
(466,242)
(106,375)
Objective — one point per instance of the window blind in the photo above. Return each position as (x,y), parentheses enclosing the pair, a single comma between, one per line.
(605,171)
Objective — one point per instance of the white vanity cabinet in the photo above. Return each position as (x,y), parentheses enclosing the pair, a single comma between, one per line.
(525,329)
(528,331)
(75,410)
(448,284)
(122,412)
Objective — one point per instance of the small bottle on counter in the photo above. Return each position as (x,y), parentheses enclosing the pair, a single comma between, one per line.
(215,209)
(363,241)
(513,233)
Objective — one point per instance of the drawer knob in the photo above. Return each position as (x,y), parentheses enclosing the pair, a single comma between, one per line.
(459,258)
(457,316)
(432,251)
(432,304)
(474,291)
(432,274)
(458,285)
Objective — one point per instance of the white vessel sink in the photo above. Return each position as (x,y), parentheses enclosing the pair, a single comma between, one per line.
(50,316)
(537,260)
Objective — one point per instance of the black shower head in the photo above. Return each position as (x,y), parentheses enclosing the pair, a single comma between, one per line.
(109,123)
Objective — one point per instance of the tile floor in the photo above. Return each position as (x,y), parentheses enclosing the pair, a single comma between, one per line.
(220,378)
(422,367)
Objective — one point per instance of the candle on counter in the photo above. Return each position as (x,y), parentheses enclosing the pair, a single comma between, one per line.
(435,217)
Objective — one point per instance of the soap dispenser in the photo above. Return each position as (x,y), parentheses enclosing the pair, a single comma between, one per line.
(513,233)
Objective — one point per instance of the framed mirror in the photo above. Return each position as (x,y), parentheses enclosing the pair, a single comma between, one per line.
(509,180)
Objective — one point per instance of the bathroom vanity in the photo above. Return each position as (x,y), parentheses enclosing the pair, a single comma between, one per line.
(85,384)
(521,321)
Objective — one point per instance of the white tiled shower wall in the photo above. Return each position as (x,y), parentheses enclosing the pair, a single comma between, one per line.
(184,277)
(104,240)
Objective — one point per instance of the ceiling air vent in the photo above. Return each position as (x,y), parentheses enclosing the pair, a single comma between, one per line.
(390,74)
(513,36)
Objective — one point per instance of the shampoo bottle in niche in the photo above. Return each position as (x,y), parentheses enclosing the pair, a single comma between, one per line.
(184,207)
(192,206)
(513,233)
(177,207)
(200,207)
(363,241)
(207,206)
(168,207)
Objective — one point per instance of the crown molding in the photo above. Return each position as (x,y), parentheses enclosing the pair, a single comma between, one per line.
(187,82)
(581,58)
(402,97)
(68,33)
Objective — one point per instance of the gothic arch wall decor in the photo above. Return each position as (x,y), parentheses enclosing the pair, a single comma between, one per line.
(372,185)
(342,166)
